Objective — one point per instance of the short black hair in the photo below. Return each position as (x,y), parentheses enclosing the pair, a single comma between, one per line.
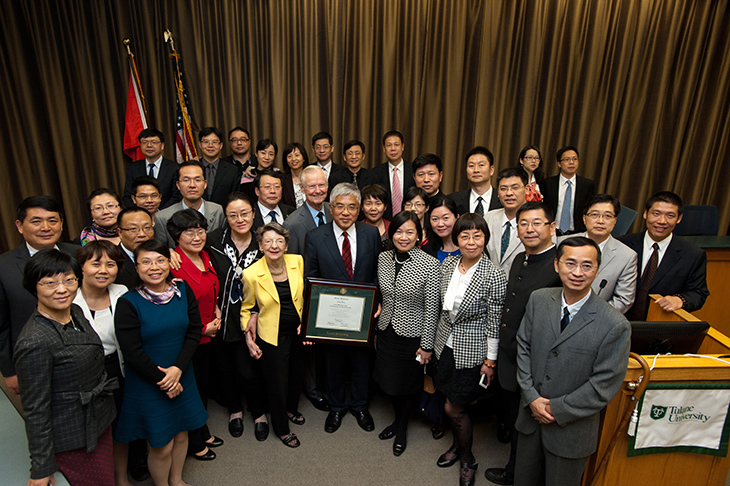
(578,241)
(95,249)
(320,136)
(470,221)
(189,163)
(145,180)
(376,191)
(512,172)
(414,192)
(351,144)
(152,245)
(667,197)
(400,219)
(538,173)
(393,133)
(237,196)
(265,142)
(185,220)
(536,206)
(427,159)
(131,210)
(207,131)
(267,172)
(43,202)
(291,147)
(559,154)
(47,263)
(238,129)
(151,132)
(603,198)
(100,192)
(482,151)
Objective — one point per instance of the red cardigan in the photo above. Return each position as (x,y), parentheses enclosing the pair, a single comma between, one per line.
(204,284)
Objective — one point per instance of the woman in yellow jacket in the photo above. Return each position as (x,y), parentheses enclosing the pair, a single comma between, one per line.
(275,286)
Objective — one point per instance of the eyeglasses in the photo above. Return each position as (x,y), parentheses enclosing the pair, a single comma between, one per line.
(605,216)
(413,205)
(190,234)
(535,224)
(321,187)
(161,262)
(149,142)
(271,187)
(52,284)
(100,208)
(145,197)
(134,231)
(341,207)
(586,267)
(532,157)
(322,147)
(210,142)
(239,140)
(187,180)
(569,159)
(513,188)
(242,215)
(271,241)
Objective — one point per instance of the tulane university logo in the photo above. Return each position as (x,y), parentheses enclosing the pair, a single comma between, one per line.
(658,412)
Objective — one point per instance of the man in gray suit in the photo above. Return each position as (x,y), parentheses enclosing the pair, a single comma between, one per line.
(568,368)
(616,279)
(192,184)
(315,211)
(503,245)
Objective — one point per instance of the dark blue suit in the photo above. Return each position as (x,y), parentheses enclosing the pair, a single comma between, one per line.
(324,260)
(167,178)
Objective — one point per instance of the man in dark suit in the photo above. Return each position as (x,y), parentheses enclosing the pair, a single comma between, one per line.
(428,173)
(353,153)
(269,188)
(669,266)
(223,177)
(532,269)
(152,143)
(481,197)
(239,140)
(136,225)
(395,175)
(39,220)
(568,193)
(572,354)
(323,148)
(347,251)
(146,193)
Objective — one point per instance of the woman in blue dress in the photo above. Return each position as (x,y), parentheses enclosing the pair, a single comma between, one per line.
(158,327)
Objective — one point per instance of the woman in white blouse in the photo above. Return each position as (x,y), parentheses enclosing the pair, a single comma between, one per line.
(100,263)
(472,293)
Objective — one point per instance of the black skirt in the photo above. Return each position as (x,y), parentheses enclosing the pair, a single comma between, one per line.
(396,369)
(461,387)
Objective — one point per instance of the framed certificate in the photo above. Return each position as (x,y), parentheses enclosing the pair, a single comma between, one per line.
(338,312)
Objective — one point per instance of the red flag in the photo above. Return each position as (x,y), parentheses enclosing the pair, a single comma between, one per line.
(136,117)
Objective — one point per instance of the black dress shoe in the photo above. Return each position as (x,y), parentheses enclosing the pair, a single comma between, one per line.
(499,475)
(235,427)
(399,445)
(334,420)
(468,474)
(261,431)
(208,456)
(364,420)
(216,442)
(320,403)
(504,434)
(443,461)
(388,432)
(437,431)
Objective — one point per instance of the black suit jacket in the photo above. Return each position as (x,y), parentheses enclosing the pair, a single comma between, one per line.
(461,199)
(347,176)
(258,219)
(683,270)
(584,191)
(324,259)
(166,179)
(16,303)
(379,175)
(128,275)
(227,180)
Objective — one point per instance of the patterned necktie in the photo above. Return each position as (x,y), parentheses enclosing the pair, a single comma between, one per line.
(480,207)
(641,303)
(397,194)
(151,170)
(320,218)
(272,215)
(565,320)
(565,212)
(347,254)
(505,239)
(354,178)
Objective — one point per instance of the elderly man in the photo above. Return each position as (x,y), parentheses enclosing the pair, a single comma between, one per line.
(314,213)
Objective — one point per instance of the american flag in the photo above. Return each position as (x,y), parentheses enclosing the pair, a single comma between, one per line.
(184,142)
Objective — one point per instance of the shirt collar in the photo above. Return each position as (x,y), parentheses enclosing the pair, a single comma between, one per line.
(563,179)
(33,251)
(572,308)
(649,242)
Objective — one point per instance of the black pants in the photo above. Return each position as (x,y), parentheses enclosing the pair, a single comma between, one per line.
(338,358)
(510,408)
(283,370)
(238,373)
(201,370)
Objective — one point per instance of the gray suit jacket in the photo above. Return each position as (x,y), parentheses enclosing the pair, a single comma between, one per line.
(494,220)
(213,213)
(579,370)
(299,223)
(618,268)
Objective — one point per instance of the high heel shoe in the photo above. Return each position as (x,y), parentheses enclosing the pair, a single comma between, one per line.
(443,461)
(468,474)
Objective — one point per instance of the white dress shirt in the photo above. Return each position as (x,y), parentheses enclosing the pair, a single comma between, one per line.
(352,236)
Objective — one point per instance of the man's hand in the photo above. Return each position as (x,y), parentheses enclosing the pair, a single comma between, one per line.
(12,383)
(541,410)
(670,303)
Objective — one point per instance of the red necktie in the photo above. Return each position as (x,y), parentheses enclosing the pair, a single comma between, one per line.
(397,194)
(347,254)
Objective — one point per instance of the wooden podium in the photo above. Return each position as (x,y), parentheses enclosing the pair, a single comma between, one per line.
(681,469)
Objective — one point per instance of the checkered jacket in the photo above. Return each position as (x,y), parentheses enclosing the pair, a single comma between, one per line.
(411,301)
(478,315)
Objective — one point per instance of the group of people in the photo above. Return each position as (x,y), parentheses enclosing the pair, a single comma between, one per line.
(202,267)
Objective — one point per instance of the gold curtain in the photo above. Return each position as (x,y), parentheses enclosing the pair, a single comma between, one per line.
(640,87)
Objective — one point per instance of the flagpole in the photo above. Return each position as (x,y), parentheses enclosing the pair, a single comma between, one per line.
(133,66)
(186,139)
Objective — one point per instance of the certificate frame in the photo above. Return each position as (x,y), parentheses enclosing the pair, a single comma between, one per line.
(326,300)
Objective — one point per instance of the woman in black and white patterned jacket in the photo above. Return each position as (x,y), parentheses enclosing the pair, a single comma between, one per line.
(408,281)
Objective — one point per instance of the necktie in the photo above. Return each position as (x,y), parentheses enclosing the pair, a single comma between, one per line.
(151,170)
(480,207)
(397,194)
(565,320)
(505,239)
(347,254)
(210,177)
(641,303)
(565,212)
(272,215)
(354,178)
(320,218)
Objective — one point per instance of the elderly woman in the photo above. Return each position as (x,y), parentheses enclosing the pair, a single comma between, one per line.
(472,293)
(188,230)
(104,205)
(233,249)
(275,285)
(408,282)
(374,203)
(441,218)
(416,200)
(97,297)
(60,368)
(296,159)
(530,161)
(158,327)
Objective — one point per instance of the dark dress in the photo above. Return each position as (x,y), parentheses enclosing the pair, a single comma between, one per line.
(152,335)
(396,369)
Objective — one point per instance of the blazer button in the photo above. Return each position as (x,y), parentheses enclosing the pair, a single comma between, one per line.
(555,353)
(507,309)
(513,294)
(504,325)
(547,378)
(519,279)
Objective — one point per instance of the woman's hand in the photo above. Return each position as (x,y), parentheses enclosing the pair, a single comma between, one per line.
(175,261)
(486,370)
(253,348)
(172,377)
(212,327)
(378,311)
(43,481)
(251,326)
(174,391)
(425,357)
